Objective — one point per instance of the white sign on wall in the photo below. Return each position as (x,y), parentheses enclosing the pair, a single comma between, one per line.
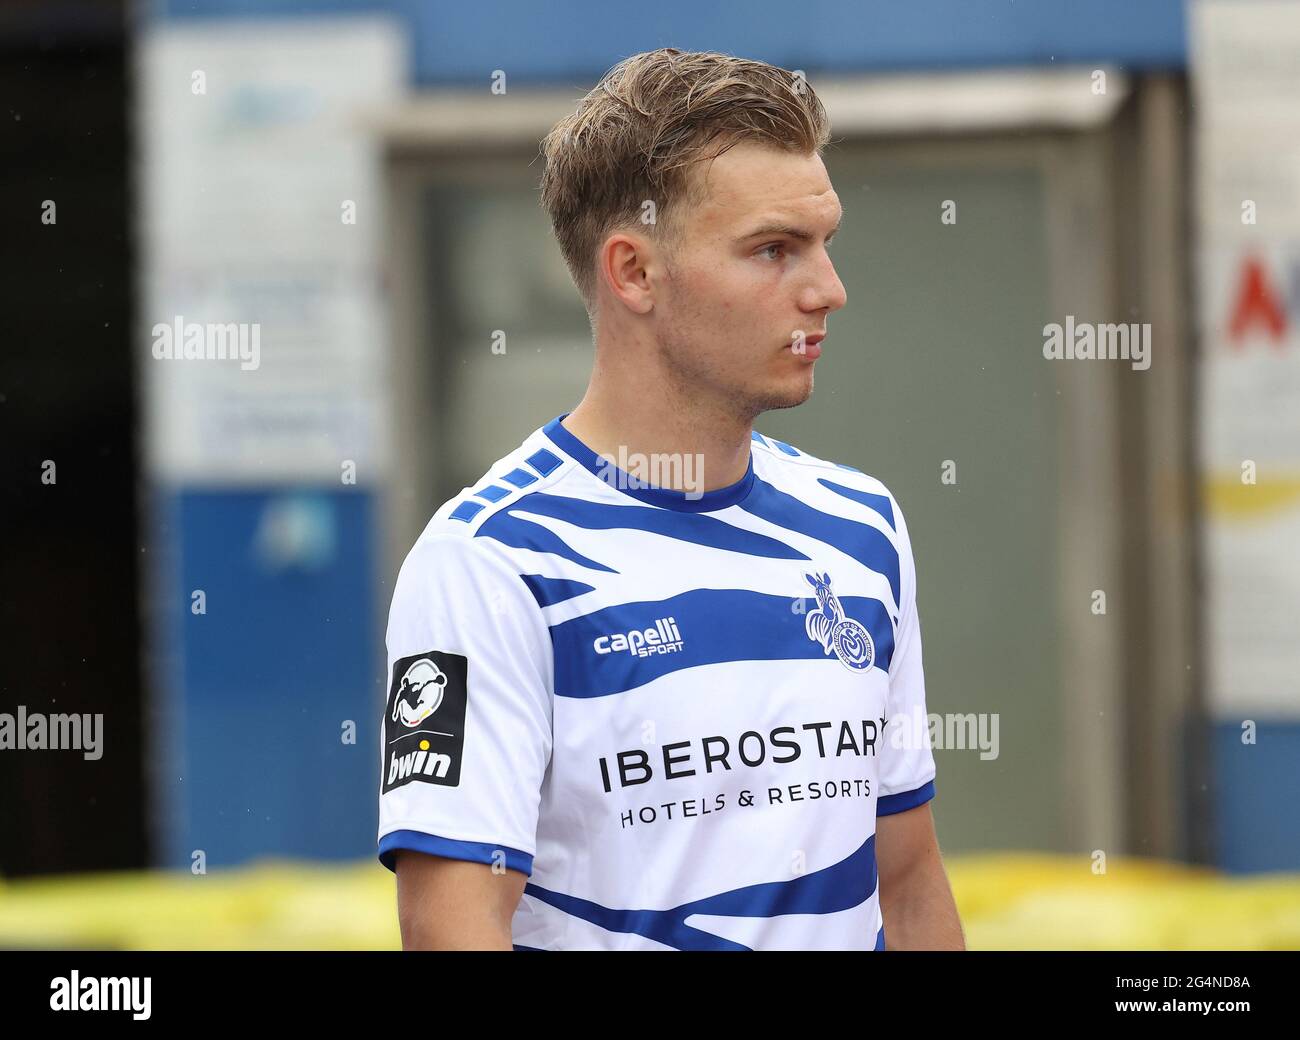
(263,340)
(1246,91)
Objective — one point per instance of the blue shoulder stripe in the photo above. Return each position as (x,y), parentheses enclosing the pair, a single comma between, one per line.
(467,510)
(880,503)
(519,533)
(543,461)
(549,591)
(492,493)
(870,547)
(519,478)
(696,528)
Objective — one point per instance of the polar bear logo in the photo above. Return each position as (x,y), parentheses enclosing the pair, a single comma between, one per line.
(420,693)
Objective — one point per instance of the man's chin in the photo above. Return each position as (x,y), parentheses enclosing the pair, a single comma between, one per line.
(789,396)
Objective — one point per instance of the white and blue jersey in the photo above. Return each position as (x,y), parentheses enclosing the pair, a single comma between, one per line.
(668,711)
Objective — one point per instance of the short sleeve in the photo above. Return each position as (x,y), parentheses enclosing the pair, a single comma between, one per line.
(466,734)
(907,762)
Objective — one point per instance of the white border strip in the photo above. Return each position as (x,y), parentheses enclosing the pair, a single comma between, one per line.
(872,105)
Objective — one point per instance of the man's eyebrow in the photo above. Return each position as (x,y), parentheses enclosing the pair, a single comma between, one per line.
(781,228)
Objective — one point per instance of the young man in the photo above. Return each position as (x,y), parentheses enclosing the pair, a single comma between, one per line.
(640,674)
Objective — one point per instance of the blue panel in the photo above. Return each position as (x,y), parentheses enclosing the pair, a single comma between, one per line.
(467,511)
(464,43)
(1257,818)
(250,758)
(519,478)
(492,493)
(543,461)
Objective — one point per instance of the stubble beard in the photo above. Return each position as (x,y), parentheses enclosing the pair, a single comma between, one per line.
(702,386)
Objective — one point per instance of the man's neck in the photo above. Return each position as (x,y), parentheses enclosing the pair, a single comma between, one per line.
(694,447)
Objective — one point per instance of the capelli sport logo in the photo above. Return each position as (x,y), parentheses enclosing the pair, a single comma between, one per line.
(663,638)
(424,721)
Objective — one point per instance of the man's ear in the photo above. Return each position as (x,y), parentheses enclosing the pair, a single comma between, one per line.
(621,266)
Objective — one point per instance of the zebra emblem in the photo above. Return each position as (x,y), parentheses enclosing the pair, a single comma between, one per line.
(845,638)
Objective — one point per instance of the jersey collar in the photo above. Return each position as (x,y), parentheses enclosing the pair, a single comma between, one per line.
(625,483)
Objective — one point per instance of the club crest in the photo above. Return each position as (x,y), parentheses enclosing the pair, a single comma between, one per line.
(846,638)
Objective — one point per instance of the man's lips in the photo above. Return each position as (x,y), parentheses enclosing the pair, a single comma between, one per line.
(811,349)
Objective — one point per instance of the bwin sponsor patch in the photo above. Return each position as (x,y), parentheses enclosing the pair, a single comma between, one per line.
(424,720)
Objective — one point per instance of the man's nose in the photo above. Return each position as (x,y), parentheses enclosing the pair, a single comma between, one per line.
(826,291)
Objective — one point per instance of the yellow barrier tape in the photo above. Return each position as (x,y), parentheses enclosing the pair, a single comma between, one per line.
(1008,901)
(1226,496)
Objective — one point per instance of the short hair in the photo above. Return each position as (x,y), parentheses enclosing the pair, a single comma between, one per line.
(635,135)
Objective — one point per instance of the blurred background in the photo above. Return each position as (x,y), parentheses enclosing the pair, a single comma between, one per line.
(208,560)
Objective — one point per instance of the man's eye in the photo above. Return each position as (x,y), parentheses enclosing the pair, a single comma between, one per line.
(774,245)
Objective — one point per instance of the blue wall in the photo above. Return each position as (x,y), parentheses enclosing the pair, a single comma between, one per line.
(1255,792)
(249,744)
(458,42)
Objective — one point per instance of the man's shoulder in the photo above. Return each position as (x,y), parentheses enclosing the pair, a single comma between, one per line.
(479,535)
(799,466)
(452,550)
(532,467)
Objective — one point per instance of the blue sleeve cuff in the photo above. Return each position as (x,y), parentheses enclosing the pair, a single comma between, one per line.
(474,851)
(888,804)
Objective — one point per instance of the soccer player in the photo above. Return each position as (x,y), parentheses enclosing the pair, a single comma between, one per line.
(646,677)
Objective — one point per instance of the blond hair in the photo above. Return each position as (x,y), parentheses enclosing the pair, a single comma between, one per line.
(633,138)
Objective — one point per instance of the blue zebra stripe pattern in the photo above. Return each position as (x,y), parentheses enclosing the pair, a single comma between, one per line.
(672,712)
